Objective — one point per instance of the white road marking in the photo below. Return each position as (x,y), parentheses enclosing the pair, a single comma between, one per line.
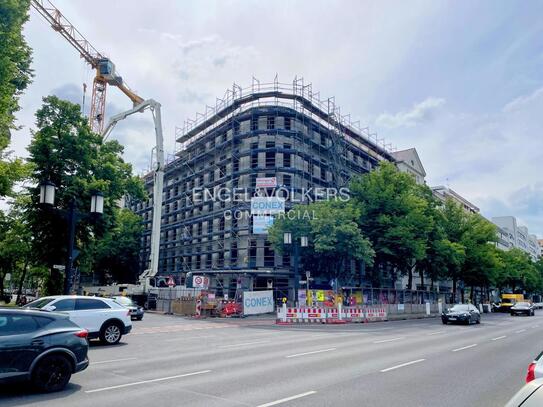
(242,344)
(111,361)
(499,337)
(435,333)
(120,386)
(310,353)
(520,331)
(389,340)
(402,365)
(464,347)
(297,396)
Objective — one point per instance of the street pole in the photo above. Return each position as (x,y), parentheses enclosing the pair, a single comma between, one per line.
(296,272)
(71,242)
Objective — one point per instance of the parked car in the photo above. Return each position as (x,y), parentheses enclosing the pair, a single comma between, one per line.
(461,313)
(523,308)
(44,347)
(136,312)
(102,317)
(535,369)
(531,395)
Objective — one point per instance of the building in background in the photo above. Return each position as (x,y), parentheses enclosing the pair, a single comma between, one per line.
(517,236)
(442,193)
(408,161)
(254,139)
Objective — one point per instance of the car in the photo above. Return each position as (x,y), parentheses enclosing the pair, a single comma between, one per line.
(102,317)
(43,347)
(531,395)
(461,313)
(523,308)
(136,312)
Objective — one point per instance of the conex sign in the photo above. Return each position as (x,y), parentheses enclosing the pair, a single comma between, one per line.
(267,205)
(257,302)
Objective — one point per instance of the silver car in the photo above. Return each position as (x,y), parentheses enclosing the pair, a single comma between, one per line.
(136,312)
(531,395)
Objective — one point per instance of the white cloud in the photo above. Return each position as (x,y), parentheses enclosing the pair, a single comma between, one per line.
(524,101)
(419,113)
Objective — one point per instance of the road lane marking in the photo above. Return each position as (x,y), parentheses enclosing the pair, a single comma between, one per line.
(111,361)
(520,331)
(435,333)
(120,386)
(499,337)
(242,344)
(297,396)
(464,347)
(310,353)
(390,340)
(388,369)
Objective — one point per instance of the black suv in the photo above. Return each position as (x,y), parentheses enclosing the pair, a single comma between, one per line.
(44,347)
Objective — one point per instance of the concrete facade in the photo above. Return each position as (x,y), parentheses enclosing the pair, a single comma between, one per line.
(513,235)
(442,193)
(408,161)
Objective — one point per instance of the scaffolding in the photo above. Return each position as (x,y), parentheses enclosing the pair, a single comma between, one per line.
(265,129)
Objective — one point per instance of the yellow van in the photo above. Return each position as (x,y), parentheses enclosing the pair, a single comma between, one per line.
(508,300)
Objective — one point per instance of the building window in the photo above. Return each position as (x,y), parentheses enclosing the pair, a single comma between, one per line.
(236,127)
(270,123)
(270,159)
(287,123)
(269,255)
(287,180)
(254,123)
(286,160)
(270,144)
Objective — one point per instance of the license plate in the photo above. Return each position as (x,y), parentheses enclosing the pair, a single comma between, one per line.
(452,319)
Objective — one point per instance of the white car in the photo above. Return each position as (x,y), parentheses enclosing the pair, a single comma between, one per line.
(102,317)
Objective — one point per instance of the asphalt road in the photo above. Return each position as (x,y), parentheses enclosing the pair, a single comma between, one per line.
(171,361)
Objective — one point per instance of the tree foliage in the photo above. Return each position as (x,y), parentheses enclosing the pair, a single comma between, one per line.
(334,237)
(66,152)
(394,215)
(15,75)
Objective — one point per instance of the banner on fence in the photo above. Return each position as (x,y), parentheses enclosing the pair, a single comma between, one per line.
(257,302)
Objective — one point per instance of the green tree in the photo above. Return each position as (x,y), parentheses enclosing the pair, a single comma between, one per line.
(15,75)
(116,255)
(334,237)
(65,151)
(517,272)
(394,217)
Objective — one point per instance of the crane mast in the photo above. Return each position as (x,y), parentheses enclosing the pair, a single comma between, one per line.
(107,75)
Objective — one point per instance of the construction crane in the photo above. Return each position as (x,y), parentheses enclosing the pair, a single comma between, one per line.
(107,75)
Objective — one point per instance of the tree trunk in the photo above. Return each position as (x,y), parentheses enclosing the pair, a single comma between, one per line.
(2,276)
(21,281)
(421,273)
(410,279)
(454,291)
(472,294)
(462,294)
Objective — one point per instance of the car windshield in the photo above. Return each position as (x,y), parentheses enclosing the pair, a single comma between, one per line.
(459,307)
(39,303)
(522,304)
(127,302)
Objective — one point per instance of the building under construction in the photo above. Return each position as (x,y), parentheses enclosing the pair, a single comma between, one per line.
(272,130)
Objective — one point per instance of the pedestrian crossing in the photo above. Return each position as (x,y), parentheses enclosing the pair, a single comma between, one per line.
(181,328)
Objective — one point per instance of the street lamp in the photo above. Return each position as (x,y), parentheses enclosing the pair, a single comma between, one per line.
(47,199)
(47,193)
(304,242)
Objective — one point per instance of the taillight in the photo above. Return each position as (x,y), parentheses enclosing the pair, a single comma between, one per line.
(531,373)
(82,334)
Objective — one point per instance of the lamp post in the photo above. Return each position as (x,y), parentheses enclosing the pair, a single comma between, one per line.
(295,247)
(47,199)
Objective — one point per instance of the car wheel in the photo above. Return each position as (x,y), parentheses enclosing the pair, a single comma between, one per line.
(139,318)
(444,322)
(111,333)
(478,320)
(52,373)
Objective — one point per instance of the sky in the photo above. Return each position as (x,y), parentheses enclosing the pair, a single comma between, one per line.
(461,81)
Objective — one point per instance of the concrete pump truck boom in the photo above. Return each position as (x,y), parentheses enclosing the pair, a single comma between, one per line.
(106,74)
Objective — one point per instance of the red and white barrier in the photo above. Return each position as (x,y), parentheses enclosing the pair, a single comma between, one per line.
(316,315)
(375,314)
(353,314)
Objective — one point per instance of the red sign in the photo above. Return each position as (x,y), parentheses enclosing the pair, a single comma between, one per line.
(171,283)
